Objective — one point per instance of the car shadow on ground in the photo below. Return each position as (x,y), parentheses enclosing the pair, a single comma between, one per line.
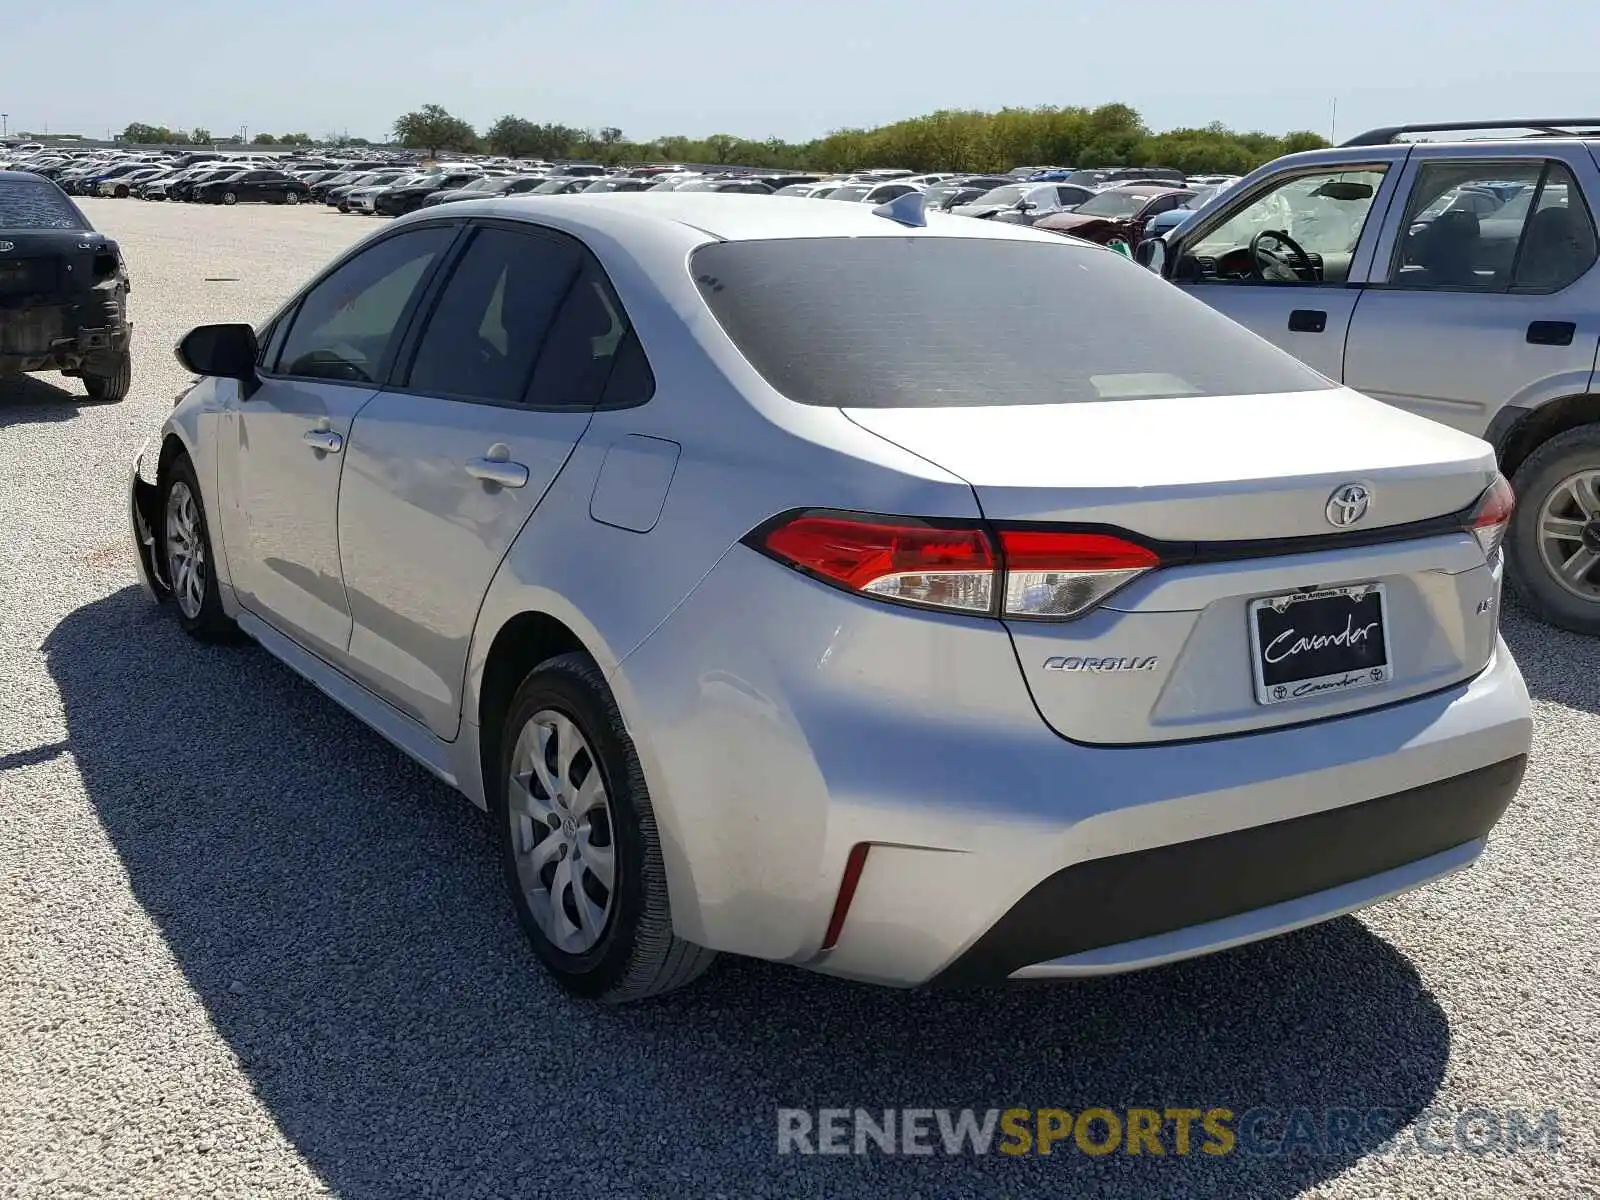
(1558,666)
(337,912)
(32,400)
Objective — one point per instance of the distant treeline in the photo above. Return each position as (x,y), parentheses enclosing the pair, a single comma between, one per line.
(1111,135)
(949,140)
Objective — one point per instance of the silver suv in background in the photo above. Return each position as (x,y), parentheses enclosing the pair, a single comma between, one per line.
(1454,278)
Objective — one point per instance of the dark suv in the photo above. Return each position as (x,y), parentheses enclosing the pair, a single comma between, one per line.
(63,290)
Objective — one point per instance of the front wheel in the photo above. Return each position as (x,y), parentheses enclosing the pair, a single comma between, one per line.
(187,555)
(1554,542)
(110,384)
(578,841)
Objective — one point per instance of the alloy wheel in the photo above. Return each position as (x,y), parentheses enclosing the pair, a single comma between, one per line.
(1569,534)
(186,550)
(562,832)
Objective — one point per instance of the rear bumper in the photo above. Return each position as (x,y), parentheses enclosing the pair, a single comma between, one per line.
(786,728)
(1128,911)
(62,336)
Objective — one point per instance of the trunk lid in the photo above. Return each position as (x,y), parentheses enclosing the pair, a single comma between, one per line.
(1236,493)
(1224,468)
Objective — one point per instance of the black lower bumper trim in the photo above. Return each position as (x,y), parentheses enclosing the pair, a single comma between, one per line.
(1108,901)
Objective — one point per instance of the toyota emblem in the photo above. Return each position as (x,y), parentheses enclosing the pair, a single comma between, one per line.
(1348,504)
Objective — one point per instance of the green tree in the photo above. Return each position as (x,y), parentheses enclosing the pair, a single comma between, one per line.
(947,140)
(147,135)
(264,139)
(294,139)
(514,137)
(431,128)
(200,136)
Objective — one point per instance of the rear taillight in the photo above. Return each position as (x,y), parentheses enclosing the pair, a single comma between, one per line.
(1041,574)
(1064,574)
(913,562)
(1492,514)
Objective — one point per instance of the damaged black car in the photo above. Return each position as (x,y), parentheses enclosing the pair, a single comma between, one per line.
(63,290)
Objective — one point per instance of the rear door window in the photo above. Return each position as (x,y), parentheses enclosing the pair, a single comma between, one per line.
(1453,236)
(931,322)
(494,316)
(588,337)
(1558,244)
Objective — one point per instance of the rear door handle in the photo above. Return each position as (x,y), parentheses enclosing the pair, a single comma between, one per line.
(325,440)
(498,470)
(1551,333)
(1307,320)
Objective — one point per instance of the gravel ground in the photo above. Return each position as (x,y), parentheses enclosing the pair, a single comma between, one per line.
(246,949)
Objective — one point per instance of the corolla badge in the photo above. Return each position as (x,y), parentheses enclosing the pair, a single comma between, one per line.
(7,246)
(1348,504)
(1139,662)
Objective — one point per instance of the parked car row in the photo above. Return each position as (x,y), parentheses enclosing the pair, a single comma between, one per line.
(389,184)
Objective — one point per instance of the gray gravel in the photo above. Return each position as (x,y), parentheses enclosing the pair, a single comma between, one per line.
(246,949)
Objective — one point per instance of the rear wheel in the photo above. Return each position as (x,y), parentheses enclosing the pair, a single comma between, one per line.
(291,197)
(578,840)
(1554,541)
(187,557)
(229,198)
(107,385)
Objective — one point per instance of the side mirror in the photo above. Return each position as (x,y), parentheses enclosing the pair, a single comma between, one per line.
(1025,206)
(224,351)
(1152,253)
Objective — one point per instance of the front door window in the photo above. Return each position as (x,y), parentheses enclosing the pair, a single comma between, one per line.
(1303,229)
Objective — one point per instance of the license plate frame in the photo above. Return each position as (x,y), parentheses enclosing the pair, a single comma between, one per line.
(1365,669)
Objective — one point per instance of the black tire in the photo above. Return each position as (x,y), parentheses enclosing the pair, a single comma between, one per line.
(1536,585)
(291,197)
(210,623)
(229,198)
(110,385)
(637,955)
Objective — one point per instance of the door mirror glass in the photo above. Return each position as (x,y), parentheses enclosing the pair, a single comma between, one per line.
(1152,253)
(224,351)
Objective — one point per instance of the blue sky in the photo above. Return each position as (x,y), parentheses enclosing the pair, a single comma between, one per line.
(791,68)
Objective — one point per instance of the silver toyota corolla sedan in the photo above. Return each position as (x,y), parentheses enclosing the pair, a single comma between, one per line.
(772,603)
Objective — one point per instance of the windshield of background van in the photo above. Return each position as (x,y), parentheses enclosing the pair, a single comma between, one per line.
(931,322)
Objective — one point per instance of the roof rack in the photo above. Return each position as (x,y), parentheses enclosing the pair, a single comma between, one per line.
(1542,127)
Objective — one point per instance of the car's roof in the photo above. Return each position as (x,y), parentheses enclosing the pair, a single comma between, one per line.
(730,217)
(21,177)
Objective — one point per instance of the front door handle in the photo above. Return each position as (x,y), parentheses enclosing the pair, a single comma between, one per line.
(325,440)
(1551,333)
(499,471)
(1308,320)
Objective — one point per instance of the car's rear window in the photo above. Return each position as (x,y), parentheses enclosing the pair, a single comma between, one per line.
(934,322)
(26,204)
